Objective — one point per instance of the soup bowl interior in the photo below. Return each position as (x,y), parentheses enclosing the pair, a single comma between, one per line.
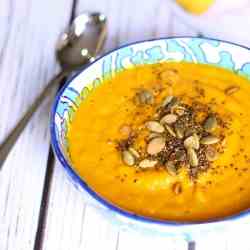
(190,49)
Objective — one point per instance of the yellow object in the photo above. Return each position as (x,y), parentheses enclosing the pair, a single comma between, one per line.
(221,191)
(195,6)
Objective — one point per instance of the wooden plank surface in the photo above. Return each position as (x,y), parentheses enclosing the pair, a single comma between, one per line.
(29,30)
(70,223)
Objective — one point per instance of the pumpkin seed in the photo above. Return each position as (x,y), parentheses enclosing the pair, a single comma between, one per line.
(177,188)
(156,145)
(193,173)
(231,90)
(169,119)
(192,157)
(155,126)
(210,139)
(166,101)
(134,152)
(180,155)
(211,154)
(192,142)
(189,132)
(173,103)
(171,168)
(125,130)
(170,130)
(210,123)
(179,130)
(179,110)
(153,135)
(144,97)
(128,158)
(146,163)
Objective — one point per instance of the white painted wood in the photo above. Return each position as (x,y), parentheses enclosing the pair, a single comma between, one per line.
(133,240)
(29,30)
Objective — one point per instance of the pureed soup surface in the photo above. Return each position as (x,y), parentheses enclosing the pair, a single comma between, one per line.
(204,181)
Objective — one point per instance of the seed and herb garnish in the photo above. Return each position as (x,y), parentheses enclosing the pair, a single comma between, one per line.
(177,137)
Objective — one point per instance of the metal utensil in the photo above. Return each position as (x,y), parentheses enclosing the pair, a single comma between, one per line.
(77,46)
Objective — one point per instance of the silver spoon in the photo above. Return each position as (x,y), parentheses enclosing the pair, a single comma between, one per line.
(78,46)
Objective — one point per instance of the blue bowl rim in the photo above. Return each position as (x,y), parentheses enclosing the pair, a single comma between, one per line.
(76,178)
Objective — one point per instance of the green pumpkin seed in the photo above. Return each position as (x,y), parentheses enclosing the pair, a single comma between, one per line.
(180,155)
(179,130)
(169,119)
(125,130)
(153,135)
(128,158)
(171,168)
(155,126)
(156,145)
(146,163)
(170,130)
(192,142)
(231,90)
(179,110)
(189,132)
(134,152)
(177,188)
(166,101)
(192,157)
(211,154)
(210,139)
(173,103)
(210,123)
(144,97)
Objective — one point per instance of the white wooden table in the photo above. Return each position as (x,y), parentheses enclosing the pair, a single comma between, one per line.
(39,208)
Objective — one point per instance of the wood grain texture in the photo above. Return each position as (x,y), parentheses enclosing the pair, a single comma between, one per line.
(29,30)
(71,224)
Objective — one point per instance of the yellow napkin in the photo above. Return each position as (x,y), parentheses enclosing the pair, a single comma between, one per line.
(195,6)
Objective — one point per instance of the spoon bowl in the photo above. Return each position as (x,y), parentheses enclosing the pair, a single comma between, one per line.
(76,47)
(82,41)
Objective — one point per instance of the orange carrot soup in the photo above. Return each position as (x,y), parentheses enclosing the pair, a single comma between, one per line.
(167,141)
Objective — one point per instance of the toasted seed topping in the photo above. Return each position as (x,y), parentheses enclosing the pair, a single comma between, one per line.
(166,101)
(155,126)
(144,97)
(134,152)
(146,163)
(179,130)
(177,188)
(192,157)
(173,103)
(180,155)
(153,135)
(170,130)
(189,132)
(125,130)
(156,145)
(179,110)
(210,123)
(128,158)
(176,137)
(210,139)
(232,89)
(211,153)
(169,119)
(171,168)
(192,142)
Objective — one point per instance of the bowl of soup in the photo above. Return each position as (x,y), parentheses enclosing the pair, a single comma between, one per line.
(155,135)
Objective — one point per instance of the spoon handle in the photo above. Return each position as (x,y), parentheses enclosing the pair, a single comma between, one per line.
(12,137)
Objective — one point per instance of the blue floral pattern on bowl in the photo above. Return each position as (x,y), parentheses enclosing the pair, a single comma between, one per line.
(198,50)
